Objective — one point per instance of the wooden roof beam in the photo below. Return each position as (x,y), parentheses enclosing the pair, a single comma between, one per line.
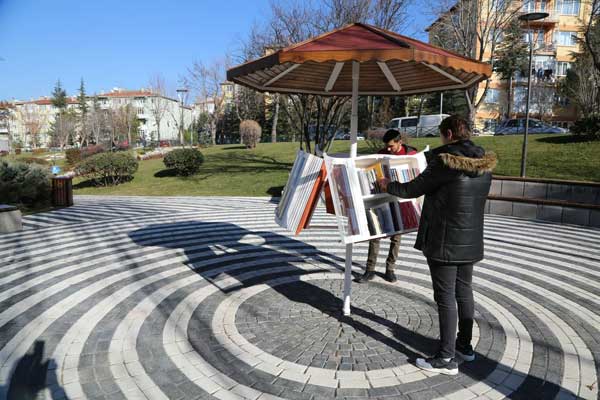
(282,74)
(445,73)
(335,72)
(388,74)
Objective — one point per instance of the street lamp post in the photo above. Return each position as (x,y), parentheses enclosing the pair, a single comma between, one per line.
(534,16)
(181,93)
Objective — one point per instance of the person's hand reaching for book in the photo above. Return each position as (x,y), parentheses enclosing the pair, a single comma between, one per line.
(383,183)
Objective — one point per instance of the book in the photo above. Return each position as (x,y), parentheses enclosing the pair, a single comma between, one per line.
(363,211)
(301,193)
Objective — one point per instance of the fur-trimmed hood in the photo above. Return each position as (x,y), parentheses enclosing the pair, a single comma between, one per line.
(487,163)
(467,157)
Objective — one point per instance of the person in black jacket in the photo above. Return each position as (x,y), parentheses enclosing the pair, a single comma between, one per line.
(455,183)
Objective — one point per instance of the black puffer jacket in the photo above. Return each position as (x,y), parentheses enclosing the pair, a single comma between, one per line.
(455,183)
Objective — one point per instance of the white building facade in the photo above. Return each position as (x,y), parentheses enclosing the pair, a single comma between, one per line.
(34,118)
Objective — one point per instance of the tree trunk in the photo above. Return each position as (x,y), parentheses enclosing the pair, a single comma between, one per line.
(158,131)
(275,118)
(213,133)
(509,97)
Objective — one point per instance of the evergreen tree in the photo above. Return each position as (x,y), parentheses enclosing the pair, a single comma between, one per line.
(82,100)
(59,97)
(511,57)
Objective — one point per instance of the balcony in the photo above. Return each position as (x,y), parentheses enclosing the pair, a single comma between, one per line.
(545,49)
(549,20)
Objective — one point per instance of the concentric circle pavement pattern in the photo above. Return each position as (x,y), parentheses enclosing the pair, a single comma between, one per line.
(207,298)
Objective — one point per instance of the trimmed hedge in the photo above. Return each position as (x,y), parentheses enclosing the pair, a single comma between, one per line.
(250,132)
(107,169)
(588,127)
(24,184)
(73,156)
(33,160)
(184,161)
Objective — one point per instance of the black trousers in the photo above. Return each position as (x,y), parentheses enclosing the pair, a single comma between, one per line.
(453,294)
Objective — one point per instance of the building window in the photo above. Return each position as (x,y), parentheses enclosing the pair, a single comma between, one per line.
(565,38)
(562,67)
(492,96)
(538,36)
(568,7)
(528,5)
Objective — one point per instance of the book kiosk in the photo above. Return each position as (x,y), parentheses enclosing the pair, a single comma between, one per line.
(352,61)
(362,211)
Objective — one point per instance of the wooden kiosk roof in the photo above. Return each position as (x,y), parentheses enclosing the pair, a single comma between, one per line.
(390,64)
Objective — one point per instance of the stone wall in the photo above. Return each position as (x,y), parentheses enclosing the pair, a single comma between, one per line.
(564,202)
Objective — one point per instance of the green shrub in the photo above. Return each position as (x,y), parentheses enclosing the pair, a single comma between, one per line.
(107,169)
(73,156)
(184,161)
(33,160)
(250,132)
(24,184)
(588,126)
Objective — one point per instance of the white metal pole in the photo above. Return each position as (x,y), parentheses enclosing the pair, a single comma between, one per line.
(353,151)
(354,114)
(348,279)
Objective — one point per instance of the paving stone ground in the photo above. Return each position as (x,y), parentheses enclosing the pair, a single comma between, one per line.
(207,298)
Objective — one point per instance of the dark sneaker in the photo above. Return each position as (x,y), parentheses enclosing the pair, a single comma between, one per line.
(439,365)
(465,352)
(367,276)
(390,276)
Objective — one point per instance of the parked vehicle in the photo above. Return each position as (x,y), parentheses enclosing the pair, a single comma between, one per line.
(426,125)
(516,126)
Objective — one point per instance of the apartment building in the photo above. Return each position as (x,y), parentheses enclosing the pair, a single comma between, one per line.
(554,39)
(35,117)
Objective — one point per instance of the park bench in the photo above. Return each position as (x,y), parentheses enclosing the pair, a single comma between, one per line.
(10,219)
(565,202)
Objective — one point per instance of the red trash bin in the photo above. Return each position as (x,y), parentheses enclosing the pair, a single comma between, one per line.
(62,191)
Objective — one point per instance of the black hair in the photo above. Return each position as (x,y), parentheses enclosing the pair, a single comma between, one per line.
(391,134)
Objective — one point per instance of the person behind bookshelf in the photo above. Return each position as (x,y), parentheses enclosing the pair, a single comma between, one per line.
(455,184)
(395,144)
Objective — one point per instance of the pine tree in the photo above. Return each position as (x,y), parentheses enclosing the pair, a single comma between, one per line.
(59,97)
(511,57)
(82,100)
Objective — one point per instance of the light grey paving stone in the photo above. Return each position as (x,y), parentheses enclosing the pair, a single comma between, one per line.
(536,190)
(501,207)
(550,213)
(513,188)
(576,216)
(524,210)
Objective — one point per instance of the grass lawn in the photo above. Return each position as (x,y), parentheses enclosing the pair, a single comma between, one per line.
(234,171)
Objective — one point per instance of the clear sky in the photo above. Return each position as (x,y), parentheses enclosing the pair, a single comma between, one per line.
(121,43)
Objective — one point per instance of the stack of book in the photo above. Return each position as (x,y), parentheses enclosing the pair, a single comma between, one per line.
(392,217)
(301,193)
(403,173)
(368,179)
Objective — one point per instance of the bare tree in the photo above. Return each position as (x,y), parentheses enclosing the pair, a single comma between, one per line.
(293,21)
(592,33)
(127,120)
(472,28)
(33,121)
(96,120)
(206,81)
(275,119)
(158,103)
(64,127)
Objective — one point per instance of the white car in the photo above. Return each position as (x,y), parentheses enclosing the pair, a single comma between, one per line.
(426,125)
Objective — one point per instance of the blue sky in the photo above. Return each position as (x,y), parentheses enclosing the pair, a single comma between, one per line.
(121,43)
